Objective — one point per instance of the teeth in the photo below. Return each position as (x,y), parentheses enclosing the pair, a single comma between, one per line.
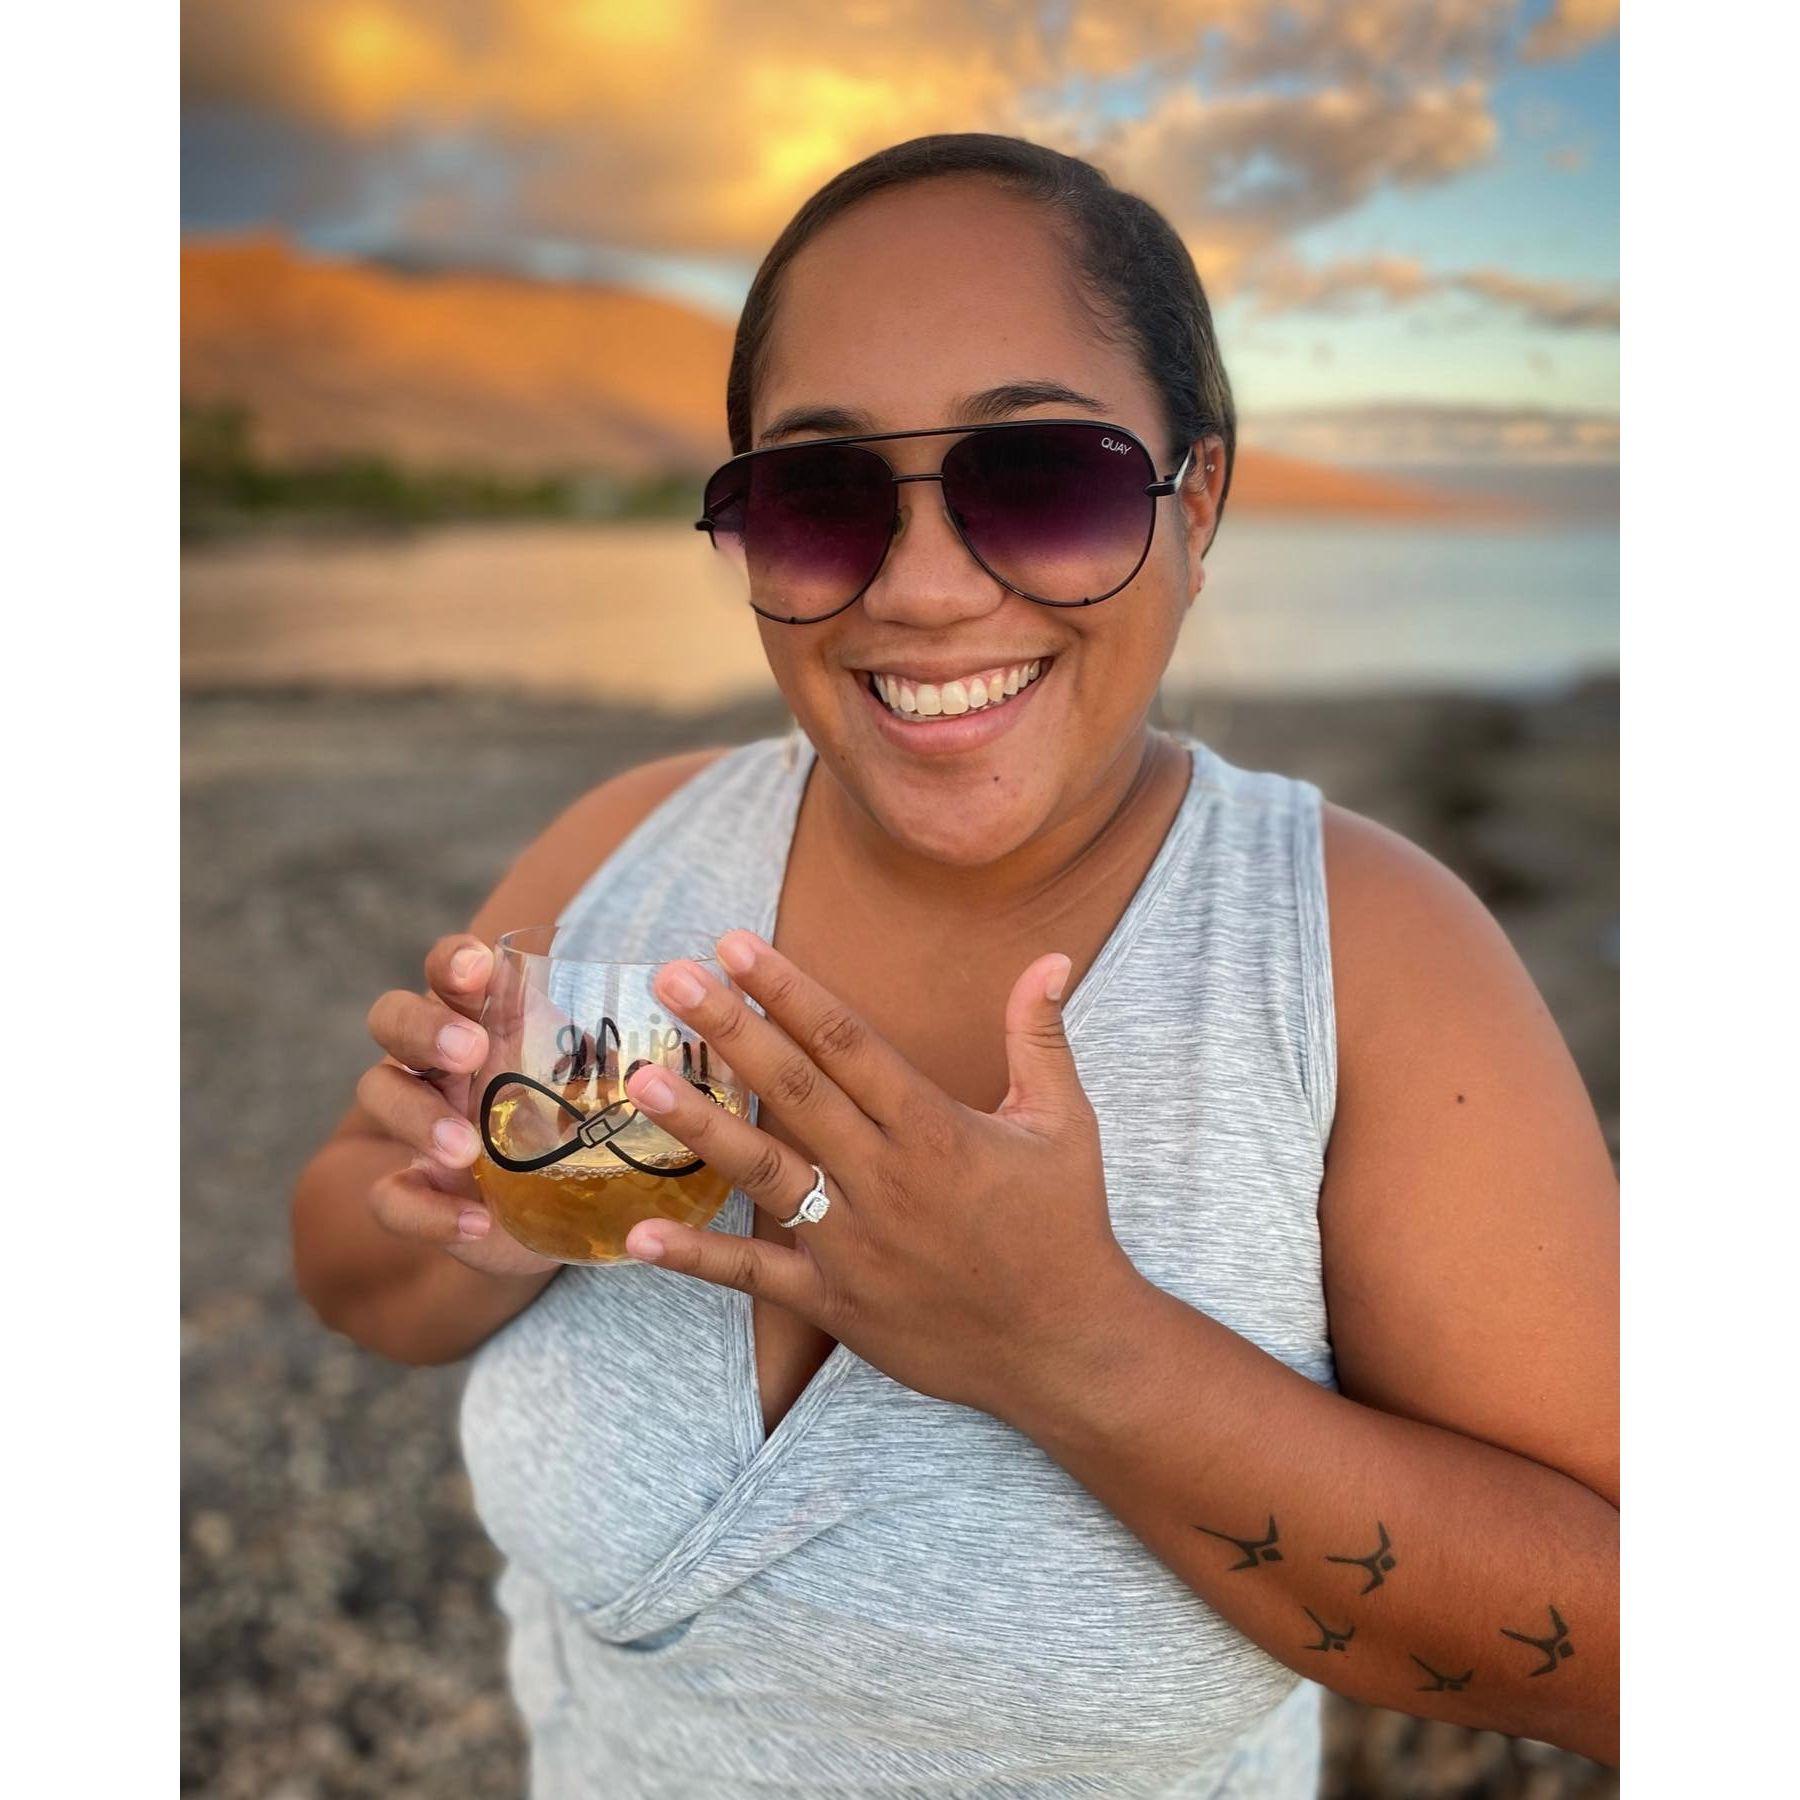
(930,700)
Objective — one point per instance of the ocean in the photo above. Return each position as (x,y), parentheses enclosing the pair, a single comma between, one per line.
(1327,605)
(1291,603)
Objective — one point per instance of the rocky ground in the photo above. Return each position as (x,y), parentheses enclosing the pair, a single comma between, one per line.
(339,1638)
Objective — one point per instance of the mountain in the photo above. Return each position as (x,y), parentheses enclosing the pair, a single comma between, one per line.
(503,373)
(1264,481)
(460,368)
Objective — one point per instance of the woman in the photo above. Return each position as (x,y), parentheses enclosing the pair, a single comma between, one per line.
(1215,1287)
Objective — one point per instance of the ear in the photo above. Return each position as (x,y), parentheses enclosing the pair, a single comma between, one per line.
(1200,504)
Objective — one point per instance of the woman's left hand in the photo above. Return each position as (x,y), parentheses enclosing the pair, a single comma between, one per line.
(960,1247)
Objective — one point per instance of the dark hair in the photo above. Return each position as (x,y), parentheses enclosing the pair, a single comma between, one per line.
(1135,274)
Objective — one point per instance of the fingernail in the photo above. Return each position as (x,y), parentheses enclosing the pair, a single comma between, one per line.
(653,1092)
(682,985)
(1053,988)
(737,951)
(472,1222)
(466,965)
(458,1042)
(646,1246)
(455,1138)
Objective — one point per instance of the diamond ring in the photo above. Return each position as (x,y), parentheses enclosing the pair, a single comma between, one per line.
(813,1203)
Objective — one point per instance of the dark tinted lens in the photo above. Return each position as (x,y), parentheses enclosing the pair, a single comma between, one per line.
(808,526)
(1057,511)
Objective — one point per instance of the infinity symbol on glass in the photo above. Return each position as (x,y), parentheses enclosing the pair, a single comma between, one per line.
(593,1130)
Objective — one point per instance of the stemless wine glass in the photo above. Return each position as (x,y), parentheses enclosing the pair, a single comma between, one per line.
(567,1163)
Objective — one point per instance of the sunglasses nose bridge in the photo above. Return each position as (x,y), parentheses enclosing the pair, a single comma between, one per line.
(902,514)
(907,593)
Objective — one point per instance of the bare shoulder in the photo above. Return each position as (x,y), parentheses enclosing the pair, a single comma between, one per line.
(1384,890)
(1417,958)
(550,870)
(1469,1208)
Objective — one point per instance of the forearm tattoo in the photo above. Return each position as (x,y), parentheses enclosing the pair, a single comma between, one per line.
(1328,1639)
(1254,1550)
(1378,1564)
(1375,1562)
(1441,1684)
(1555,1646)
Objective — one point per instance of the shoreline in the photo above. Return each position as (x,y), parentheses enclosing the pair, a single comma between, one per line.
(610,612)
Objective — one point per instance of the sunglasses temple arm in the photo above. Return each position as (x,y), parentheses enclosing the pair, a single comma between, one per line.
(1174,481)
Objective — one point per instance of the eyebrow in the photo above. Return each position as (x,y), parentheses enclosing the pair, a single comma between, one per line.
(983,408)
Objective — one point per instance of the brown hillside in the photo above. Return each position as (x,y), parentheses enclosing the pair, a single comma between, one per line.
(1264,481)
(483,369)
(528,377)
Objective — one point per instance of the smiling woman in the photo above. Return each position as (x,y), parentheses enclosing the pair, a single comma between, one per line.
(1112,1324)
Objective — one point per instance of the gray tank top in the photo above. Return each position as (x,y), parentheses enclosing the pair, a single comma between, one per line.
(890,1594)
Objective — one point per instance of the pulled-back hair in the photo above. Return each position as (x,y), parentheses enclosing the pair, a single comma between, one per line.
(1133,272)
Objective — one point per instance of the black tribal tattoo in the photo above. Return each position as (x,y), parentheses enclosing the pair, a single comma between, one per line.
(1376,1561)
(1441,1684)
(1255,1550)
(1328,1639)
(1557,1644)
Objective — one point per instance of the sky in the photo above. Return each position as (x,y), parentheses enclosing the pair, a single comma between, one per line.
(1405,212)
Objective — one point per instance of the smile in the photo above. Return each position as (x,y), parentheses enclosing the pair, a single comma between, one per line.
(986,688)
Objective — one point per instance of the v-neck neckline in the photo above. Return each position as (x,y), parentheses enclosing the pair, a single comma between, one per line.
(759,1450)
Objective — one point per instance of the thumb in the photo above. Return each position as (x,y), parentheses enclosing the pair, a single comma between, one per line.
(1045,1088)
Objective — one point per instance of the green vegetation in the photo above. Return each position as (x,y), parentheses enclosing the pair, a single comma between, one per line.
(228,487)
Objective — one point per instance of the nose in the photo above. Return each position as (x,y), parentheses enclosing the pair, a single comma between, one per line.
(929,579)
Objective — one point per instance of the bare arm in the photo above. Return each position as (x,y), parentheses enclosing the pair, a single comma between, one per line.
(378,1250)
(1441,1536)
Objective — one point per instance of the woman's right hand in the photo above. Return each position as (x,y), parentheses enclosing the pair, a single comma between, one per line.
(435,1199)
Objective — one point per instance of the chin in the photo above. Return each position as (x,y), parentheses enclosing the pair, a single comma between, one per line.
(977,836)
(961,813)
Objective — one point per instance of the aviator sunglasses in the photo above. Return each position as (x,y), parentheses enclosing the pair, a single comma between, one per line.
(1060,511)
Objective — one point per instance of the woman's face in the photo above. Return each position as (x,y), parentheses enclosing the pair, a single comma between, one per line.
(897,314)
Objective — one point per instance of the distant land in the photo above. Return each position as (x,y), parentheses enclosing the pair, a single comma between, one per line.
(522,377)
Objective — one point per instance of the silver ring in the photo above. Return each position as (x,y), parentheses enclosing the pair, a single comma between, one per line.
(424,1074)
(814,1204)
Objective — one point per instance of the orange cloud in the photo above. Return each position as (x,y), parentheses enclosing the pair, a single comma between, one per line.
(1356,41)
(697,126)
(1282,284)
(1569,27)
(1562,305)
(1239,173)
(1286,285)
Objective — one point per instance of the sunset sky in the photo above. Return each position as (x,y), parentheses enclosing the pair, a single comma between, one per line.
(1405,210)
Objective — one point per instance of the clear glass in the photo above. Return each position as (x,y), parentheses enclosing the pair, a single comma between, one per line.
(567,1163)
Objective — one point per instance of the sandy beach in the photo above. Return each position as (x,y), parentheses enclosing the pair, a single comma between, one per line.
(339,1633)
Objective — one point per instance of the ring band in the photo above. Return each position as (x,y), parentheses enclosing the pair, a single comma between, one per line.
(814,1204)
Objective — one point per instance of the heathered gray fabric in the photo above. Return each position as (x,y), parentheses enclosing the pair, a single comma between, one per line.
(893,1595)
